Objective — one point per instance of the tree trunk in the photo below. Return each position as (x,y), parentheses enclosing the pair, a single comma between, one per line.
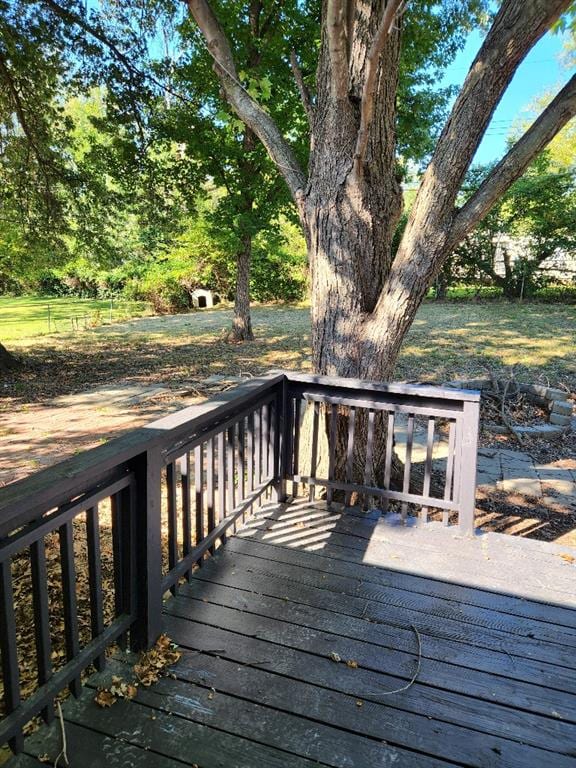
(352,206)
(349,202)
(242,322)
(7,360)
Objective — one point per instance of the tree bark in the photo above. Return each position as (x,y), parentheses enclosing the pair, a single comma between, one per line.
(242,321)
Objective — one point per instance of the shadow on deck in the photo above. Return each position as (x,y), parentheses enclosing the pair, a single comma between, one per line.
(296,634)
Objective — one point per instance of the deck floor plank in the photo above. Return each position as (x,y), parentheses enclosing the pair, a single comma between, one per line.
(364,588)
(431,551)
(349,562)
(387,636)
(273,584)
(397,666)
(305,658)
(258,683)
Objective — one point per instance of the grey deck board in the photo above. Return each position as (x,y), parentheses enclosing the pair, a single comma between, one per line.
(451,609)
(274,584)
(398,664)
(485,562)
(387,636)
(349,562)
(256,684)
(304,657)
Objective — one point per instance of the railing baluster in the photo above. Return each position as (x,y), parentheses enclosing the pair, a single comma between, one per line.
(258,447)
(146,502)
(8,648)
(467,461)
(369,465)
(427,467)
(350,452)
(296,448)
(272,432)
(240,460)
(250,456)
(172,518)
(221,480)
(184,463)
(449,469)
(332,452)
(41,618)
(95,578)
(389,456)
(408,462)
(69,599)
(122,521)
(199,493)
(210,487)
(230,467)
(265,438)
(314,453)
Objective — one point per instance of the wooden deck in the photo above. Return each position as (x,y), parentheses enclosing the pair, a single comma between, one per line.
(487,627)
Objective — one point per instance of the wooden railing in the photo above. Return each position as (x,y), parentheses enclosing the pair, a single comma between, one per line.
(362,421)
(162,498)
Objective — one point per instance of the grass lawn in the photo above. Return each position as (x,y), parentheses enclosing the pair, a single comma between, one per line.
(25,317)
(447,340)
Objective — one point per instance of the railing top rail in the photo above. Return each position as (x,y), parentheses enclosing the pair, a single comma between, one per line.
(26,499)
(410,390)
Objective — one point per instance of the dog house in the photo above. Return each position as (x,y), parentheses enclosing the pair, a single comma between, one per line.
(202,298)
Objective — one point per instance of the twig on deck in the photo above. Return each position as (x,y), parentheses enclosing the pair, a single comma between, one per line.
(64,751)
(414,677)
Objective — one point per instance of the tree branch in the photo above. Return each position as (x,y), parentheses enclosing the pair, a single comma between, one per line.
(302,88)
(336,20)
(515,162)
(272,16)
(393,7)
(247,108)
(516,28)
(45,166)
(71,18)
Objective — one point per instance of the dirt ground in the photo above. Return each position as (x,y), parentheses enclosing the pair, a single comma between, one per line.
(78,390)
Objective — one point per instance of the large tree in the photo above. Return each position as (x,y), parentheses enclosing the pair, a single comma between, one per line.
(276,47)
(365,296)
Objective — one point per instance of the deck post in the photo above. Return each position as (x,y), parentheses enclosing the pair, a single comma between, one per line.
(148,550)
(468,459)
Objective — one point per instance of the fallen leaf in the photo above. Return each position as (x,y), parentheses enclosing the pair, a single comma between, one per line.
(104,698)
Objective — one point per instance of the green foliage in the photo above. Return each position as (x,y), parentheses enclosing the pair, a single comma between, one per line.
(535,218)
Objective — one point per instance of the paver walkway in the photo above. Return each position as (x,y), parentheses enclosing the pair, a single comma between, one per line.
(510,471)
(38,436)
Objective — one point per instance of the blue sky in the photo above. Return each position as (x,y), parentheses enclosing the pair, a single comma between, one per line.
(540,71)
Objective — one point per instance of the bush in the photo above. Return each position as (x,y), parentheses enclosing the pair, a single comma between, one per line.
(166,293)
(10,285)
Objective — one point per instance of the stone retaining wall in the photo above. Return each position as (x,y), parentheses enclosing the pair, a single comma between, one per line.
(555,401)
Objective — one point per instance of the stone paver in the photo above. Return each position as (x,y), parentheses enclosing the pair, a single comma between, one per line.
(503,469)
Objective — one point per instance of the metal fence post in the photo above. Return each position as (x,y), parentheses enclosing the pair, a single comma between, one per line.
(468,459)
(148,550)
